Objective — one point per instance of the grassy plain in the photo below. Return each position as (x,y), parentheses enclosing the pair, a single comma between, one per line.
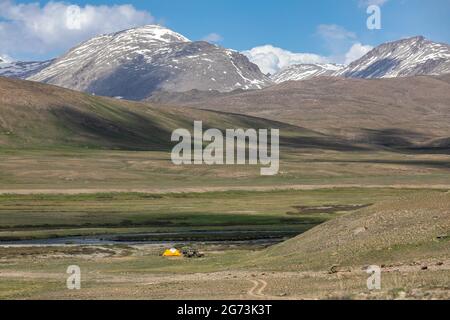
(72,164)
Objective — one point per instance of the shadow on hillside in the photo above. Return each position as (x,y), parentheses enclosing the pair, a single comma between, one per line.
(322,143)
(122,129)
(405,141)
(377,69)
(419,163)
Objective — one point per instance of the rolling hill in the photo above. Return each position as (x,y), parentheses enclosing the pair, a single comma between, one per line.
(35,115)
(414,228)
(397,112)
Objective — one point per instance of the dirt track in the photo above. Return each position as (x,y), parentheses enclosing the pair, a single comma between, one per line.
(235,284)
(221,189)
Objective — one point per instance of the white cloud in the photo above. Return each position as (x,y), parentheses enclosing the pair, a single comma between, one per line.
(271,59)
(213,37)
(32,28)
(343,47)
(356,51)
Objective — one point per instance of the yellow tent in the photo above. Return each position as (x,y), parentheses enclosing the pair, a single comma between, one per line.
(172,253)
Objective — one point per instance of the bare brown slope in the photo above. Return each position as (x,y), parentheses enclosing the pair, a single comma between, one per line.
(382,111)
(406,230)
(39,115)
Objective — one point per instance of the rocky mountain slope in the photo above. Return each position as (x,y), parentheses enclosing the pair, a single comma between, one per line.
(21,69)
(298,72)
(134,63)
(403,58)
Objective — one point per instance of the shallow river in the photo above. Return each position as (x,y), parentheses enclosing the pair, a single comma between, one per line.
(200,237)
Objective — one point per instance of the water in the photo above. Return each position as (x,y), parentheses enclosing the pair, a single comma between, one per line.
(240,237)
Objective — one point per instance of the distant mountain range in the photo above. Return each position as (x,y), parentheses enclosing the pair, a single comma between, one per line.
(298,72)
(135,63)
(403,58)
(408,57)
(20,69)
(153,61)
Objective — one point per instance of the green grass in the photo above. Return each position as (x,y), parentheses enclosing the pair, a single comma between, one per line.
(40,216)
(107,170)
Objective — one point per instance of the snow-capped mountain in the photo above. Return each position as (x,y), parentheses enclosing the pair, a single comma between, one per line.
(135,63)
(407,57)
(298,72)
(20,69)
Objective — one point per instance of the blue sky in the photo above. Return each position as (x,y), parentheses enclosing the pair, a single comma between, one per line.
(292,25)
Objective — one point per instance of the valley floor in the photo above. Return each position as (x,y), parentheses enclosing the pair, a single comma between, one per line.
(368,188)
(48,194)
(75,171)
(140,273)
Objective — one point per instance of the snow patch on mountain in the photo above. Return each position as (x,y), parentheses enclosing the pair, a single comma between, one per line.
(406,57)
(20,69)
(403,58)
(137,62)
(299,72)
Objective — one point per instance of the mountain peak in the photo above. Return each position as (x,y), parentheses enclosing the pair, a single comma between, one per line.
(414,38)
(402,58)
(137,62)
(406,57)
(153,32)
